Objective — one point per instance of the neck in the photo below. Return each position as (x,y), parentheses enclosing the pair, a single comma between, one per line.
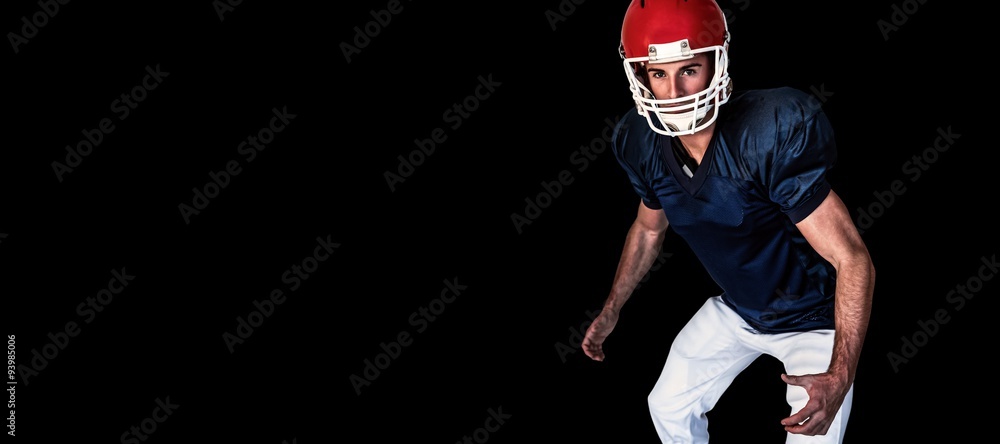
(697,144)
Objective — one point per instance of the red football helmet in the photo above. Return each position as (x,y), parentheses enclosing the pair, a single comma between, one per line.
(662,31)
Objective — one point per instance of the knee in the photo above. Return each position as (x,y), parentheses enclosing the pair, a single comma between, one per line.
(664,402)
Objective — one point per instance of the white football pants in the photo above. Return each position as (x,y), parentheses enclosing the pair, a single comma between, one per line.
(707,355)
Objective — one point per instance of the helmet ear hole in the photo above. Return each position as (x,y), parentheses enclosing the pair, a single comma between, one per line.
(642,76)
(641,73)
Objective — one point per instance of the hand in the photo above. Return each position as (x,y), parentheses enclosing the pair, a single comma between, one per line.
(826,394)
(597,332)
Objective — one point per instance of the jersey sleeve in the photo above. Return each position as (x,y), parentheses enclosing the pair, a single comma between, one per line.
(805,154)
(628,142)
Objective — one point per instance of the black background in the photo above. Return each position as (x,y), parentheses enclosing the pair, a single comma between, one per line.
(528,289)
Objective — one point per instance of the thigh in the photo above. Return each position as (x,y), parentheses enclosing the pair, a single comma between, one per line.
(803,352)
(808,353)
(707,354)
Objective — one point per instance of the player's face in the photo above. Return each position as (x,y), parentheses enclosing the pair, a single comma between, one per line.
(679,79)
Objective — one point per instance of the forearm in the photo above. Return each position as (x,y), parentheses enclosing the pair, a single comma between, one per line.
(642,246)
(855,286)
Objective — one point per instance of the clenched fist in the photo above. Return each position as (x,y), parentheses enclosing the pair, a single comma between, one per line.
(598,331)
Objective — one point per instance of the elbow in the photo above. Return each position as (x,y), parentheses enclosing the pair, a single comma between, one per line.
(871,273)
(867,268)
(868,263)
(858,264)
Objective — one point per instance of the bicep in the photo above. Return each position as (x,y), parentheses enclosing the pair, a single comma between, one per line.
(651,219)
(831,232)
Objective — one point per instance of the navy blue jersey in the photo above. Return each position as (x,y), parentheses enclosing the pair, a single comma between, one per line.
(765,170)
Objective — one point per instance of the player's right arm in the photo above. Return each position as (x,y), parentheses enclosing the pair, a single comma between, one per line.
(642,245)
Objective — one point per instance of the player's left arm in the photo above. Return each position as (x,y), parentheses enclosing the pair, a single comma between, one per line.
(830,230)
